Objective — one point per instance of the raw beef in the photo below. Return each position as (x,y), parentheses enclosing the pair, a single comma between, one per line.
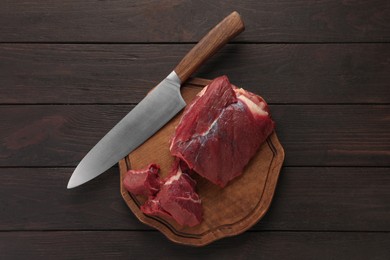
(176,199)
(143,182)
(221,130)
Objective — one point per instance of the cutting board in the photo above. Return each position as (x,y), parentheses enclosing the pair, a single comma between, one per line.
(227,211)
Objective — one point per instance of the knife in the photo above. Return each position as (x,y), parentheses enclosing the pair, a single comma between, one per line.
(156,109)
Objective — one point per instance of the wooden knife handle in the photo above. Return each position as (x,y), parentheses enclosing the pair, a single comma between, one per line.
(226,30)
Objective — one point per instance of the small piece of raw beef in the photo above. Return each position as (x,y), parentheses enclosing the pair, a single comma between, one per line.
(221,130)
(176,199)
(143,182)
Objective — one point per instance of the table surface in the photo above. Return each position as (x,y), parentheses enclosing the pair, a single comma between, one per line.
(69,70)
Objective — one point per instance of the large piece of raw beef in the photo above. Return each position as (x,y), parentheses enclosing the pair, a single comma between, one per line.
(221,130)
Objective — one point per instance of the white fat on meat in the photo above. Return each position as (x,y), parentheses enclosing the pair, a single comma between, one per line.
(201,93)
(175,177)
(257,109)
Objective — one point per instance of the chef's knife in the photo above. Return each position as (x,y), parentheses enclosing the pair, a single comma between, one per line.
(156,109)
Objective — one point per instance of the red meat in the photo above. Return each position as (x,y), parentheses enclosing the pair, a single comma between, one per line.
(176,199)
(143,182)
(221,130)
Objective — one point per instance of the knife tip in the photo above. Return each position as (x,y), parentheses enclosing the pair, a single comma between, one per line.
(72,183)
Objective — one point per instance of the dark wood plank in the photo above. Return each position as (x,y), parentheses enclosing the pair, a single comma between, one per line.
(152,245)
(37,199)
(330,198)
(54,135)
(281,73)
(319,198)
(312,135)
(334,135)
(183,21)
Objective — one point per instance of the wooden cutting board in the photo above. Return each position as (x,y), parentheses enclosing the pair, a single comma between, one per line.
(226,211)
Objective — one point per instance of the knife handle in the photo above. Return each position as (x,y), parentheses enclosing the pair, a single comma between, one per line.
(226,30)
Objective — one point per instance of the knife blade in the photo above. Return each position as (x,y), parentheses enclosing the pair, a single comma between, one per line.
(156,109)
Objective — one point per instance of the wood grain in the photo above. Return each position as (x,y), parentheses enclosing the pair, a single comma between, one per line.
(251,245)
(306,198)
(281,73)
(215,39)
(187,21)
(312,135)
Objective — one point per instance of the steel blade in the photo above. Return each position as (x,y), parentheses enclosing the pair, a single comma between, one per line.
(153,112)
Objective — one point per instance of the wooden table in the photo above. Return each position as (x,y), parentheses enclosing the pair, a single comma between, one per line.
(69,70)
